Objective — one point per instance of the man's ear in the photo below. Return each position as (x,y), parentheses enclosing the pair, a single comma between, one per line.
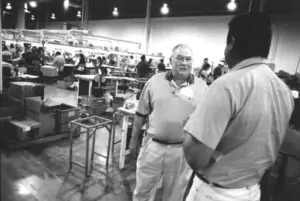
(231,44)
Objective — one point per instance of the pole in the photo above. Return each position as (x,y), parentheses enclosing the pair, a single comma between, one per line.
(1,78)
(147,26)
(262,5)
(82,14)
(298,66)
(20,15)
(86,14)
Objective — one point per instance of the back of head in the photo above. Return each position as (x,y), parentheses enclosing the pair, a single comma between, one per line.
(5,48)
(58,53)
(143,58)
(161,60)
(251,35)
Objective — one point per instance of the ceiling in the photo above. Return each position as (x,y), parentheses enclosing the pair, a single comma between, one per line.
(102,9)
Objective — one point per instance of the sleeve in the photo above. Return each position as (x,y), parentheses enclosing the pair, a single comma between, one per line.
(144,105)
(211,117)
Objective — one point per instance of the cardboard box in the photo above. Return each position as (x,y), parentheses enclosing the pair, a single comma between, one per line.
(61,84)
(21,90)
(25,129)
(47,122)
(34,104)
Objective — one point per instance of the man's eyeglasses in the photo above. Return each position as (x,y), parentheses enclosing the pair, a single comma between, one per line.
(182,59)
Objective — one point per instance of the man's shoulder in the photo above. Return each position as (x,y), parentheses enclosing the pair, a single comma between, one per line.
(198,81)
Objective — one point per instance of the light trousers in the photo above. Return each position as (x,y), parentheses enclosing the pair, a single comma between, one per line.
(158,162)
(201,191)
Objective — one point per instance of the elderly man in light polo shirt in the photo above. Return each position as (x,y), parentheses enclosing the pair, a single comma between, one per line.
(165,102)
(235,134)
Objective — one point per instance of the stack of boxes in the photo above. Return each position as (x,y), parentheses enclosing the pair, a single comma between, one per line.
(21,90)
(37,110)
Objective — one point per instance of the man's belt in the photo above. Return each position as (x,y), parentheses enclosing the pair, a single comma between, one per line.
(165,142)
(201,177)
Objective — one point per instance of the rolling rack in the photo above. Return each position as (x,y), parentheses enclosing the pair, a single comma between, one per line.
(90,125)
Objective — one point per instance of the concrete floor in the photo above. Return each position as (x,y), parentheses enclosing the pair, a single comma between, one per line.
(40,173)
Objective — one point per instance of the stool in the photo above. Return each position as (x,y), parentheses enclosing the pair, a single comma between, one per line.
(90,126)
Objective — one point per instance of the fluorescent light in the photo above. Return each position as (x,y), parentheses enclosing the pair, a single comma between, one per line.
(8,6)
(115,12)
(231,6)
(165,9)
(66,4)
(33,4)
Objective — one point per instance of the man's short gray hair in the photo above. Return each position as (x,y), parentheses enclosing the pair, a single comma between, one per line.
(181,46)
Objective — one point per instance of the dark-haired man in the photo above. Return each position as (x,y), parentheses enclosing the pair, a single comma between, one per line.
(165,102)
(234,136)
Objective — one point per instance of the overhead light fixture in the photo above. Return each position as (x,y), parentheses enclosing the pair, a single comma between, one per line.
(165,9)
(8,6)
(32,17)
(33,4)
(26,8)
(79,14)
(115,12)
(53,16)
(66,4)
(231,6)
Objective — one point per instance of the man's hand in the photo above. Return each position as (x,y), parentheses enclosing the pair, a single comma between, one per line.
(134,147)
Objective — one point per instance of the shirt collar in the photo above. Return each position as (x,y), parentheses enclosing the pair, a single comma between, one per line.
(190,79)
(248,62)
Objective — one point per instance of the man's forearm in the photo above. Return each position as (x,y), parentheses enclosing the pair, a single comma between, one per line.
(137,126)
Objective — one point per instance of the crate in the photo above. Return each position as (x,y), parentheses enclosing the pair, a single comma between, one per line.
(65,113)
(62,128)
(96,109)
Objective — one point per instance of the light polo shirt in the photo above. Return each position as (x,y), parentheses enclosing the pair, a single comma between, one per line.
(59,62)
(167,105)
(244,116)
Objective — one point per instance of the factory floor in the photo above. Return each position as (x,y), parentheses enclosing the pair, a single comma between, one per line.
(40,173)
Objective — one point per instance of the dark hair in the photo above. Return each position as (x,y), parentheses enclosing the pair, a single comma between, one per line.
(58,53)
(5,48)
(217,72)
(143,57)
(81,59)
(12,45)
(252,35)
(162,60)
(131,57)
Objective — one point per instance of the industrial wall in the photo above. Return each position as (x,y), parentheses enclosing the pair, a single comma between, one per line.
(206,35)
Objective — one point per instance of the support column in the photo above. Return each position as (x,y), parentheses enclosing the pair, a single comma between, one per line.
(86,15)
(21,14)
(147,26)
(262,5)
(82,15)
(257,5)
(1,79)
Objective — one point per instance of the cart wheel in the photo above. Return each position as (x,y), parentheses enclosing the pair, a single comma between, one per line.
(76,133)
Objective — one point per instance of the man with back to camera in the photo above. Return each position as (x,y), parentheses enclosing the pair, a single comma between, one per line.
(246,113)
(165,102)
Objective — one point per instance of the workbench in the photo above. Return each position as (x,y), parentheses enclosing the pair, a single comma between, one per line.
(117,80)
